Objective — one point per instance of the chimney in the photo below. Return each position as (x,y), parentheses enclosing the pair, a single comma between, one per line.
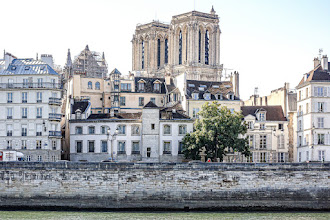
(8,59)
(316,62)
(168,80)
(112,113)
(324,62)
(48,58)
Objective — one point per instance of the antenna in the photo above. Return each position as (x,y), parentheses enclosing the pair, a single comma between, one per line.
(226,71)
(256,91)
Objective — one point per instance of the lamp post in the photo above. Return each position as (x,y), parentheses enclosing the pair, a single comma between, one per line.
(112,138)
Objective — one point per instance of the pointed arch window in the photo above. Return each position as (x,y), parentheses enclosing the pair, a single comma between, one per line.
(180,48)
(207,47)
(97,85)
(142,54)
(199,45)
(166,51)
(186,45)
(90,85)
(158,53)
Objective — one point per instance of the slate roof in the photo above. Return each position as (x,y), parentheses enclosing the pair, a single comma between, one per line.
(28,66)
(150,105)
(116,116)
(317,75)
(170,114)
(273,113)
(211,87)
(149,85)
(82,105)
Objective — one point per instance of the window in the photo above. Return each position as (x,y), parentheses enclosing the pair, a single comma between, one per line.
(307,93)
(39,96)
(153,100)
(39,158)
(307,139)
(320,122)
(251,141)
(125,87)
(158,53)
(152,126)
(299,157)
(79,146)
(9,97)
(263,157)
(195,96)
(320,138)
(91,146)
(40,83)
(262,126)
(300,112)
(116,98)
(25,83)
(141,101)
(180,147)
(280,141)
(261,116)
(39,130)
(104,146)
(207,96)
(195,112)
(167,147)
(79,130)
(24,130)
(104,129)
(135,147)
(97,86)
(207,45)
(24,144)
(91,130)
(321,155)
(199,46)
(156,87)
(90,85)
(122,101)
(121,147)
(166,51)
(263,141)
(9,130)
(320,106)
(299,125)
(182,129)
(142,54)
(180,48)
(319,91)
(9,113)
(24,112)
(24,97)
(38,144)
(39,112)
(299,95)
(135,130)
(141,86)
(299,141)
(280,157)
(250,125)
(9,144)
(53,83)
(167,130)
(121,129)
(148,151)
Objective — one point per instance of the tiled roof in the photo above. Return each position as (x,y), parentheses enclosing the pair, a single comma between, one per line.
(28,66)
(193,86)
(81,105)
(149,85)
(116,116)
(273,113)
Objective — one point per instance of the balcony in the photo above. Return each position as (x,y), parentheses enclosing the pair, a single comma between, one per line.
(167,152)
(55,101)
(121,152)
(57,134)
(135,152)
(55,117)
(44,85)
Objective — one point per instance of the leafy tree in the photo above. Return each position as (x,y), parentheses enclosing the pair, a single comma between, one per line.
(217,131)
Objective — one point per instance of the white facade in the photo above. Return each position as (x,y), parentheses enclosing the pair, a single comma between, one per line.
(30,110)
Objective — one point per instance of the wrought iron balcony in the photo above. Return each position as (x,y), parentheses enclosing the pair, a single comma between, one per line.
(121,152)
(135,152)
(43,85)
(55,134)
(55,117)
(55,101)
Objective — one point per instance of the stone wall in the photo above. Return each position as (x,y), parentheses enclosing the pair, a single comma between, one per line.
(163,186)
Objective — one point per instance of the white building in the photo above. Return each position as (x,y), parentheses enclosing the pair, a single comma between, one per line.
(313,118)
(30,108)
(153,135)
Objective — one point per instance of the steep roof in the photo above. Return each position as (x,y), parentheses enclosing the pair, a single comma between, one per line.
(149,85)
(116,116)
(316,75)
(28,67)
(274,113)
(81,105)
(150,105)
(172,114)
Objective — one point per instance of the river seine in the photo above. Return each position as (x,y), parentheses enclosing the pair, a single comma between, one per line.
(161,215)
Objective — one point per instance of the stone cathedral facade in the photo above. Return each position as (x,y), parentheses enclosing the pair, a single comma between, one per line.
(189,44)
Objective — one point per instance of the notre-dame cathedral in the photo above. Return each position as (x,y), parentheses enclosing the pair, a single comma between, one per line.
(190,44)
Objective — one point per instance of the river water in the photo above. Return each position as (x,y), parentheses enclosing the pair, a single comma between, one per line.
(46,215)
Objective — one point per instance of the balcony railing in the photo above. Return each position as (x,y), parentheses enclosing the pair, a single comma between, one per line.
(55,116)
(55,134)
(43,85)
(55,101)
(121,152)
(167,152)
(135,152)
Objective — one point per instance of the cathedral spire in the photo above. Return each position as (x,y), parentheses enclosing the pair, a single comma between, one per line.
(68,59)
(87,48)
(212,10)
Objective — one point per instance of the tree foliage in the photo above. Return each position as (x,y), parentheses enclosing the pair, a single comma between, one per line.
(216,132)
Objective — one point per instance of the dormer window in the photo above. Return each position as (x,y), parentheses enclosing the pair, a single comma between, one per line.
(195,96)
(230,96)
(156,87)
(13,68)
(78,114)
(261,116)
(27,68)
(207,96)
(141,85)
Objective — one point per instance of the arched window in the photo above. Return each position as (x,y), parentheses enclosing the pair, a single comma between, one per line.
(166,51)
(90,85)
(180,48)
(97,85)
(199,46)
(142,54)
(207,47)
(158,53)
(186,45)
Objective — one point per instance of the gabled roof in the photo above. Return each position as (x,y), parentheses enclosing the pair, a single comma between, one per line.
(28,67)
(149,85)
(274,113)
(81,105)
(150,105)
(317,75)
(115,71)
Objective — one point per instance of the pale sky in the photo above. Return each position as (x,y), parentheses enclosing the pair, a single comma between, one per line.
(268,41)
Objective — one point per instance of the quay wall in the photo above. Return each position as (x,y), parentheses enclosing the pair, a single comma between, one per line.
(165,186)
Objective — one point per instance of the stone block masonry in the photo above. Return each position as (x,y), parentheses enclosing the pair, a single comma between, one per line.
(165,186)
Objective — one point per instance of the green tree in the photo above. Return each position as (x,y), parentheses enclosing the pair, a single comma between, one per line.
(216,132)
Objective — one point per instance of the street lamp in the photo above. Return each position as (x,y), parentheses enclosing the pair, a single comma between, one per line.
(113,138)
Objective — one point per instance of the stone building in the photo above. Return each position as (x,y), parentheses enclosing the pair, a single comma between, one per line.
(30,108)
(189,44)
(154,134)
(313,118)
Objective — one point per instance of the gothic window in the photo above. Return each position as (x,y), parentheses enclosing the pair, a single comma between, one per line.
(186,45)
(207,47)
(199,46)
(90,85)
(180,48)
(97,85)
(158,53)
(166,51)
(142,56)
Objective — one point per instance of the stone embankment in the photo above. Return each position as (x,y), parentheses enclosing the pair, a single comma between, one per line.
(165,186)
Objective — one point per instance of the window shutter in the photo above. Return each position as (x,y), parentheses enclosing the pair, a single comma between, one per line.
(257,141)
(315,107)
(269,142)
(315,91)
(315,139)
(286,156)
(324,107)
(325,91)
(326,139)
(254,141)
(328,91)
(279,142)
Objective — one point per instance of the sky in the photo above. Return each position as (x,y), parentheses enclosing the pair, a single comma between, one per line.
(269,42)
